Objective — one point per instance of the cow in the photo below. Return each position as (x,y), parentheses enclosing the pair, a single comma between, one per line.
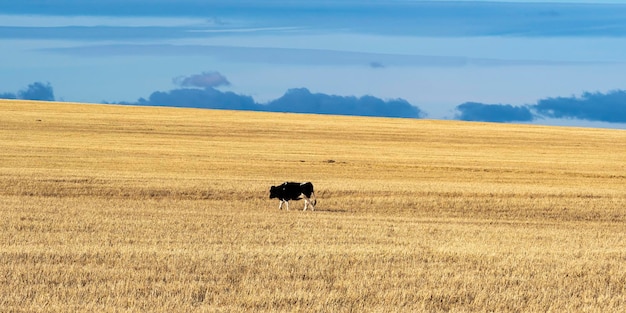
(294,191)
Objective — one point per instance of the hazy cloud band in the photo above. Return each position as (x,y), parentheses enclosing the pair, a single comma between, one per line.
(412,18)
(297,56)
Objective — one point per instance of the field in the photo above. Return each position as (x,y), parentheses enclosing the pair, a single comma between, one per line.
(119,208)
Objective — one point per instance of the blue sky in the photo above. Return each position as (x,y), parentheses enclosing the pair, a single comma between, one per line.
(494,57)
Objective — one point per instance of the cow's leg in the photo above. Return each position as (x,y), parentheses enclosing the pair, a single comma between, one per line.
(280,206)
(287,203)
(307,202)
(314,200)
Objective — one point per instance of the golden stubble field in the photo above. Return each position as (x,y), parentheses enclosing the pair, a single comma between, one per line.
(126,209)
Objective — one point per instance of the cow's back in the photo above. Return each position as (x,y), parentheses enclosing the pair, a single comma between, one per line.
(292,191)
(307,189)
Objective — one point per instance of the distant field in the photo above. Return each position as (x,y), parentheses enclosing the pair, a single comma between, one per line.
(116,208)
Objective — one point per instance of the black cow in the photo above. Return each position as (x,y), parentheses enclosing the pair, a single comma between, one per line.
(294,191)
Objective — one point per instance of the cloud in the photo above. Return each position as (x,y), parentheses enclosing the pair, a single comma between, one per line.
(298,100)
(8,95)
(301,100)
(208,98)
(609,107)
(199,92)
(473,111)
(203,80)
(34,91)
(37,91)
(597,107)
(375,64)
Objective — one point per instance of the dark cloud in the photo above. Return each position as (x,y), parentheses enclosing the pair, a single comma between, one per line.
(8,95)
(609,107)
(597,107)
(203,95)
(203,80)
(299,100)
(35,91)
(472,111)
(207,98)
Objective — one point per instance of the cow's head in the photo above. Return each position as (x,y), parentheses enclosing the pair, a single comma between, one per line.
(274,192)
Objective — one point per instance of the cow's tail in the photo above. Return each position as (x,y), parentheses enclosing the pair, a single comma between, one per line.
(314,198)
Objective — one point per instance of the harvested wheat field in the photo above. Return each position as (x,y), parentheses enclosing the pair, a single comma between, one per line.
(126,209)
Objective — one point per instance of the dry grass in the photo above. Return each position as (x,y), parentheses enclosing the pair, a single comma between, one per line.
(108,208)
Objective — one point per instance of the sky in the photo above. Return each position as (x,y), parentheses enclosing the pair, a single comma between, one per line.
(549,63)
